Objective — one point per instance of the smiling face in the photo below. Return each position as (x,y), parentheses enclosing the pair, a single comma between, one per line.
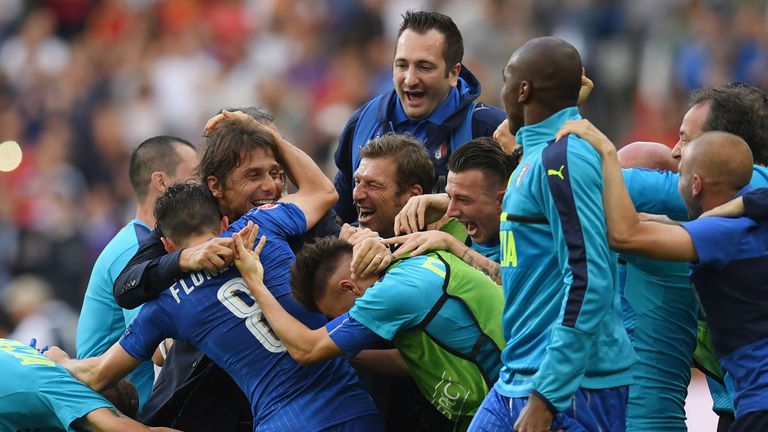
(475,203)
(376,195)
(420,74)
(255,182)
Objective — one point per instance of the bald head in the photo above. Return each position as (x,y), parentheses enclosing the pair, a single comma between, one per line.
(721,159)
(544,75)
(649,155)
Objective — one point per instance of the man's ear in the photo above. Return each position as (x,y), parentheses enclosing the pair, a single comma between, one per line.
(500,199)
(416,190)
(216,187)
(168,244)
(158,181)
(696,186)
(453,75)
(347,285)
(524,92)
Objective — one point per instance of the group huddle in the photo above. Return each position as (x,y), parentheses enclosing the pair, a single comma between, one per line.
(470,268)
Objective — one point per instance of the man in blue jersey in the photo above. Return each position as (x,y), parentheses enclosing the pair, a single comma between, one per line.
(568,359)
(36,393)
(216,314)
(662,319)
(433,98)
(155,164)
(728,256)
(477,178)
(442,315)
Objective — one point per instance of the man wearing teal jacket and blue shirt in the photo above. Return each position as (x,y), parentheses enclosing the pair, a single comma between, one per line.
(156,163)
(567,351)
(433,99)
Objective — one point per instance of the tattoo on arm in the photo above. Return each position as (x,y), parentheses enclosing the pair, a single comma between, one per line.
(488,267)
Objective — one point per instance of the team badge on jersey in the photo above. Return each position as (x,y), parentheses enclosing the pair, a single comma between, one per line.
(267,206)
(520,176)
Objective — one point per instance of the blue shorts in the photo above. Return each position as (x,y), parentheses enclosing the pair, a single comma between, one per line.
(597,410)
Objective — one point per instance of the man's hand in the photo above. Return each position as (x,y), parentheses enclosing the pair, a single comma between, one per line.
(247,260)
(56,354)
(588,132)
(215,255)
(504,137)
(241,117)
(369,256)
(536,416)
(420,211)
(355,235)
(422,242)
(733,208)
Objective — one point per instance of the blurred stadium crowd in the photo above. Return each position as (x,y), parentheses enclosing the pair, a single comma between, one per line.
(84,82)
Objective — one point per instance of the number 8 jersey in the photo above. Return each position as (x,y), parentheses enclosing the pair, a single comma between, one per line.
(218,315)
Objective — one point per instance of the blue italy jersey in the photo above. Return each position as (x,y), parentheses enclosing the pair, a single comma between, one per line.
(731,278)
(561,316)
(38,394)
(666,310)
(756,204)
(218,315)
(102,321)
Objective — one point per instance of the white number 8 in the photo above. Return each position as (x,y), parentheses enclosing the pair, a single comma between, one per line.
(227,295)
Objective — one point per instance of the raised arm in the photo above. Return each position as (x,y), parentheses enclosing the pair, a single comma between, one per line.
(626,233)
(112,420)
(303,344)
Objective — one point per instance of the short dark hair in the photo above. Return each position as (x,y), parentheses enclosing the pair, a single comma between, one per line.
(186,209)
(486,155)
(412,160)
(314,266)
(229,145)
(739,109)
(154,154)
(422,21)
(124,397)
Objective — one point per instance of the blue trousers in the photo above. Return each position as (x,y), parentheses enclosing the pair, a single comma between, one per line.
(590,410)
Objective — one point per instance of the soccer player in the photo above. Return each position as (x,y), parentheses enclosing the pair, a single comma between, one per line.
(433,98)
(477,178)
(216,314)
(156,163)
(36,393)
(728,256)
(442,315)
(664,313)
(568,359)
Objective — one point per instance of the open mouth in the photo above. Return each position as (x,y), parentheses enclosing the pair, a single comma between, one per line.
(261,202)
(365,214)
(471,228)
(414,97)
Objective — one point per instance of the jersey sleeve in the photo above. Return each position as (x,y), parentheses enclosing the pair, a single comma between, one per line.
(574,207)
(343,181)
(655,192)
(285,219)
(350,335)
(402,298)
(144,334)
(756,204)
(717,240)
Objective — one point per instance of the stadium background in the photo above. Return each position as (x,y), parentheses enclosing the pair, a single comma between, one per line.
(82,83)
